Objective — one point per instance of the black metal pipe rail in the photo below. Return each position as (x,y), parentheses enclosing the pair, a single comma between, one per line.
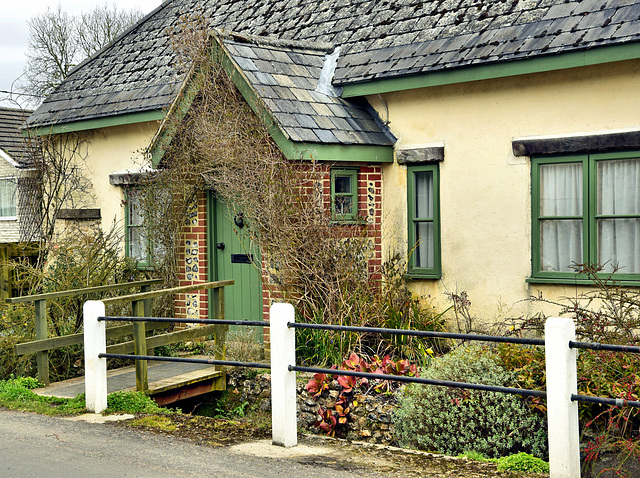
(418,333)
(378,330)
(186,360)
(616,402)
(186,321)
(595,346)
(426,381)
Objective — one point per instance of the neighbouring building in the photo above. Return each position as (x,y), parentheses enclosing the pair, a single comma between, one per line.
(15,159)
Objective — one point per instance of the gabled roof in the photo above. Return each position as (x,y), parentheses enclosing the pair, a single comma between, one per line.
(12,142)
(380,39)
(287,80)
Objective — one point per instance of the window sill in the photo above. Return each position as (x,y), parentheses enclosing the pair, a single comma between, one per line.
(348,222)
(411,276)
(587,282)
(8,218)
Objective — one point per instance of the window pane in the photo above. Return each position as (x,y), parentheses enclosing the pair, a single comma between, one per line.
(619,187)
(135,209)
(619,245)
(424,253)
(342,184)
(7,198)
(343,205)
(561,189)
(137,243)
(560,244)
(424,195)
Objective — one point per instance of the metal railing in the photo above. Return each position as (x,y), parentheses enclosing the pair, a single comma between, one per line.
(560,356)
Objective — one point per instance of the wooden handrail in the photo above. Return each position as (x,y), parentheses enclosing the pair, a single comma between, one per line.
(77,292)
(40,306)
(77,339)
(175,290)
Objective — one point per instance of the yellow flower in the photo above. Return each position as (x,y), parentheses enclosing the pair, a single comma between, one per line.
(430,351)
(355,403)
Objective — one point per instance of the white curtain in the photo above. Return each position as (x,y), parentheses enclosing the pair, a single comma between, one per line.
(619,195)
(137,239)
(424,249)
(561,195)
(7,197)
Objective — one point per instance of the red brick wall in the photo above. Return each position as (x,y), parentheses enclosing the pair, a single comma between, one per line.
(192,262)
(194,249)
(369,207)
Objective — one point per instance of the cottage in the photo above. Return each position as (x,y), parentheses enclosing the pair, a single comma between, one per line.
(494,144)
(15,160)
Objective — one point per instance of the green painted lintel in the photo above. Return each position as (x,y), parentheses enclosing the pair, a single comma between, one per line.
(106,122)
(594,56)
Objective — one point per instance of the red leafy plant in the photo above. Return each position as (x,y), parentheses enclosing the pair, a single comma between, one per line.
(333,421)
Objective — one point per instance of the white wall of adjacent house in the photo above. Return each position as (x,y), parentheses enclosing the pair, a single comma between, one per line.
(9,226)
(485,191)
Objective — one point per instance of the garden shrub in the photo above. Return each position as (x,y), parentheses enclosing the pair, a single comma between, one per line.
(608,313)
(450,421)
(523,462)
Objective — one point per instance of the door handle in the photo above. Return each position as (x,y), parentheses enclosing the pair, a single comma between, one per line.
(220,245)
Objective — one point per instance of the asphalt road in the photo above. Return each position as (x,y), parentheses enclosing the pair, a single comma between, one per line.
(34,445)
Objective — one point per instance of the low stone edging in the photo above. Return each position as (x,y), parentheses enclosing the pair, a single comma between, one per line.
(371,419)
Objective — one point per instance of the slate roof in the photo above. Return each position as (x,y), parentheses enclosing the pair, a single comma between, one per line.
(492,32)
(12,141)
(285,77)
(379,39)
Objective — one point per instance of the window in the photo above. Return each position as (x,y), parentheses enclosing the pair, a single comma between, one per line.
(586,209)
(344,195)
(424,220)
(138,245)
(7,198)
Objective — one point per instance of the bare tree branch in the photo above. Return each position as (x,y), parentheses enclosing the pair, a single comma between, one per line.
(59,41)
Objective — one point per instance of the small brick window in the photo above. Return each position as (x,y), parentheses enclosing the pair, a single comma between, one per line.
(344,194)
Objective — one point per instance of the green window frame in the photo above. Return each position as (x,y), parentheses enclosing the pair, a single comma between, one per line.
(138,245)
(344,194)
(585,210)
(423,209)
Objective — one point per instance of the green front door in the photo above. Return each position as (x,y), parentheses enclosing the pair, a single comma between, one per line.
(232,256)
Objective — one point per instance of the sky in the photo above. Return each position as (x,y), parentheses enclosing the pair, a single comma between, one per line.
(14,32)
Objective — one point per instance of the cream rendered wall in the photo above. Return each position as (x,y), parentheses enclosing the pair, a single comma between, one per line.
(115,149)
(485,196)
(9,228)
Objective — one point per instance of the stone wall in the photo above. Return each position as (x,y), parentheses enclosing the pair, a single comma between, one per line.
(371,415)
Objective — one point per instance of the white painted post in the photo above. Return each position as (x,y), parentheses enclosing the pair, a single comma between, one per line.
(95,369)
(562,413)
(283,382)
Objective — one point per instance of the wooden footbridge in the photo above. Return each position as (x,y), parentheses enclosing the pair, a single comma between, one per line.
(166,382)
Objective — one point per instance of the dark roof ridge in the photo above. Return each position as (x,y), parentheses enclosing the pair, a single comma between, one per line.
(275,42)
(15,110)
